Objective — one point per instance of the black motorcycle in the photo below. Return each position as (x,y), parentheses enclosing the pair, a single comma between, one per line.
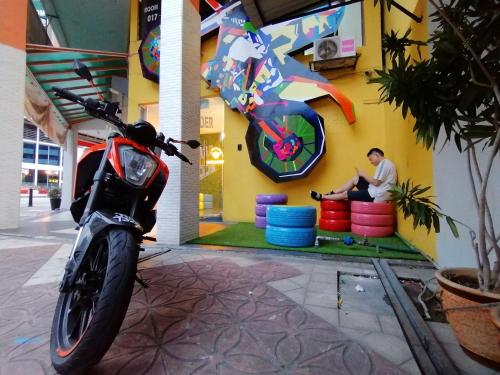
(117,187)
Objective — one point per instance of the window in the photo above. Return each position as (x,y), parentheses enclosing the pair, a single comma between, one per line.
(29,152)
(43,154)
(28,176)
(29,132)
(42,178)
(54,155)
(44,138)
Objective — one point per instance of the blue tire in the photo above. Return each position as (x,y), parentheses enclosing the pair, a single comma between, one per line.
(271,198)
(290,237)
(291,216)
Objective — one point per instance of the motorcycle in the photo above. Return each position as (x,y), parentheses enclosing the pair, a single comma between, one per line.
(117,187)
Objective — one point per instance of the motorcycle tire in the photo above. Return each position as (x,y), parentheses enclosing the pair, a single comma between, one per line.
(96,311)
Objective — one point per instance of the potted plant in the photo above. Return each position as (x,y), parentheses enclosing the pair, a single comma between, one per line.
(456,92)
(55,198)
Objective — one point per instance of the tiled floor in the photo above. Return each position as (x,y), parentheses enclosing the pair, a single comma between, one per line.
(212,312)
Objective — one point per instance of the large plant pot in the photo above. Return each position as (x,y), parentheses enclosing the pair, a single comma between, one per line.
(55,203)
(474,327)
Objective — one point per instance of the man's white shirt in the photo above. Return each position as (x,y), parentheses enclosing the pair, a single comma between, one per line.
(385,172)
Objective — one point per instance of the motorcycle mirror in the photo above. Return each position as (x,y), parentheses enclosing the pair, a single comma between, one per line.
(82,70)
(193,143)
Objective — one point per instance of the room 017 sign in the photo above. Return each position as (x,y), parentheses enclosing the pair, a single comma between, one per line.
(150,15)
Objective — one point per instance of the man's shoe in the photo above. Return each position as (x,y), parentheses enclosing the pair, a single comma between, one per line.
(315,195)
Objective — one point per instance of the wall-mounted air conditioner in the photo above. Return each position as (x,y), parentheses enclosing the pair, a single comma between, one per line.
(334,47)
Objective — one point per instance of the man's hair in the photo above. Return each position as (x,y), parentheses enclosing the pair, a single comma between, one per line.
(377,150)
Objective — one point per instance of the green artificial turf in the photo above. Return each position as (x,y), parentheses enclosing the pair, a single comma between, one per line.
(247,235)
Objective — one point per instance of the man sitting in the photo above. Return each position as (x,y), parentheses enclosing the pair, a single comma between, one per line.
(369,189)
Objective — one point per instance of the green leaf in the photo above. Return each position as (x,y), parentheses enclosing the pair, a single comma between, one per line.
(452,225)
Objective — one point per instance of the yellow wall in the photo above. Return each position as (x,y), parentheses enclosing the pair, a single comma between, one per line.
(376,126)
(413,161)
(140,90)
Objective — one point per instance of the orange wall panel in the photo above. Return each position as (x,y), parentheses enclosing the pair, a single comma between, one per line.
(13,15)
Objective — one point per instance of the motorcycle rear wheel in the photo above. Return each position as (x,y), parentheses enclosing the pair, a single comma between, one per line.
(88,318)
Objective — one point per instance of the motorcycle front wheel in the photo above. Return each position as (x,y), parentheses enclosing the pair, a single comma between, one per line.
(88,318)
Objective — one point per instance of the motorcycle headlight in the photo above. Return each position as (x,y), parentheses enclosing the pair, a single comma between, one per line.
(138,167)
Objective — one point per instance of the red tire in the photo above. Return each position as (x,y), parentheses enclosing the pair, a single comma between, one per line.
(364,230)
(372,220)
(335,205)
(335,225)
(335,215)
(376,208)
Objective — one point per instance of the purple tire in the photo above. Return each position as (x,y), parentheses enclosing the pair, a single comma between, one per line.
(260,222)
(261,209)
(271,198)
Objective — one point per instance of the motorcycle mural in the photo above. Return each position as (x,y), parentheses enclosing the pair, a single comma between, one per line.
(117,186)
(254,74)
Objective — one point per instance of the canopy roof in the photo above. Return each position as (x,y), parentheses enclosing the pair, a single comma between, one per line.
(53,66)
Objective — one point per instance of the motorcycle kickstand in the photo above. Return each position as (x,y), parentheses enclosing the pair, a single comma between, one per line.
(144,284)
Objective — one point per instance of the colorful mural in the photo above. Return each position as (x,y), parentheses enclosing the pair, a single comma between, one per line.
(149,54)
(255,75)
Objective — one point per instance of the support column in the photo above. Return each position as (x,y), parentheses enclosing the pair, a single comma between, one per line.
(179,118)
(69,167)
(13,16)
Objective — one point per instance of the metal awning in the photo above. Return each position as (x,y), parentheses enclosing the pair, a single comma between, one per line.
(53,66)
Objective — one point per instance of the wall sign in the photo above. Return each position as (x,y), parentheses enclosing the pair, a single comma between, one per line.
(149,16)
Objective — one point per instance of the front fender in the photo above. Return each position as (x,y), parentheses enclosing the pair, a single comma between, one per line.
(95,225)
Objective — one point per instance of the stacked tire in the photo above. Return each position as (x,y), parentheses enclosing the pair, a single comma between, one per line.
(262,202)
(335,216)
(291,226)
(372,219)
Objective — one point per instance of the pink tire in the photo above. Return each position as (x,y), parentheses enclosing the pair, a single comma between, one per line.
(376,208)
(372,220)
(335,205)
(335,225)
(271,198)
(335,215)
(260,222)
(364,230)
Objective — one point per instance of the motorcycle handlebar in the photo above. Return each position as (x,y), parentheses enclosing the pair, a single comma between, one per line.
(171,150)
(65,94)
(94,105)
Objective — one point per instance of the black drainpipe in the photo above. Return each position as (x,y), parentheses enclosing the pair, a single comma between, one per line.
(382,31)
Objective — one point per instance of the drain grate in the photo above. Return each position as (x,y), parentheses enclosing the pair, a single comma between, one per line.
(372,299)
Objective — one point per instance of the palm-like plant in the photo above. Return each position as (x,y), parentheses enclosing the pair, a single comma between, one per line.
(455,91)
